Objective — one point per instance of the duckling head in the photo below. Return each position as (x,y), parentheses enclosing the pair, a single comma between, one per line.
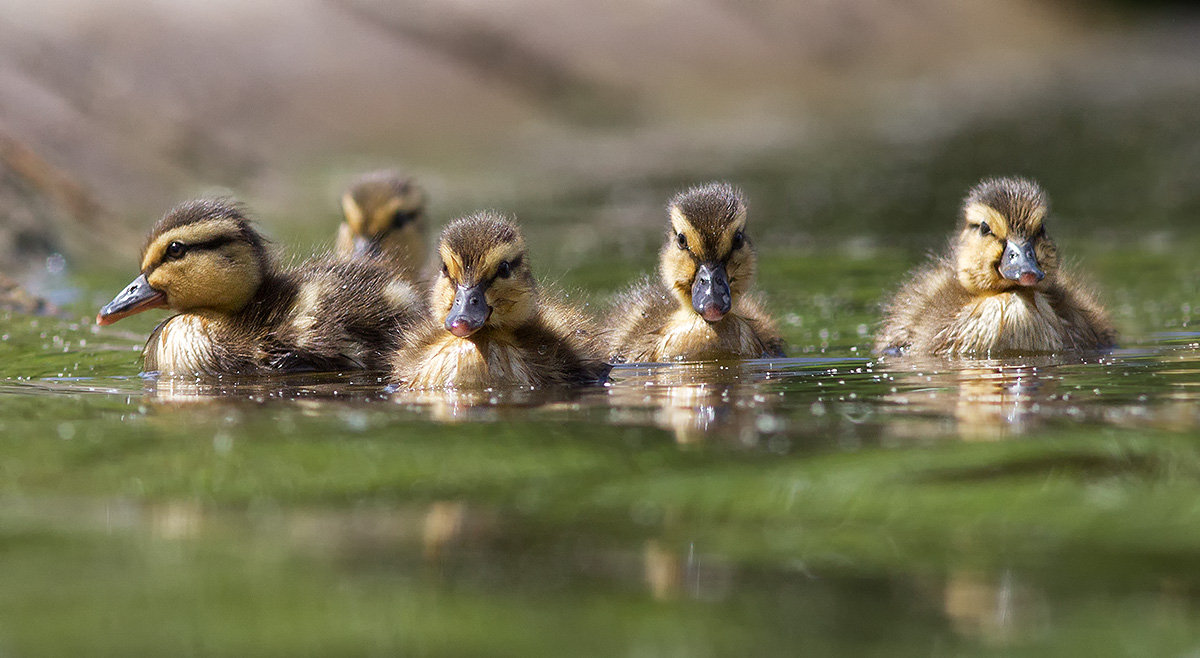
(708,258)
(485,281)
(201,256)
(384,214)
(1002,245)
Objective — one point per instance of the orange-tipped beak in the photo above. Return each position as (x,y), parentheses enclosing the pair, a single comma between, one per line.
(135,298)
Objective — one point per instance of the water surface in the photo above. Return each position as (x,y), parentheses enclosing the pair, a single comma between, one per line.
(827,504)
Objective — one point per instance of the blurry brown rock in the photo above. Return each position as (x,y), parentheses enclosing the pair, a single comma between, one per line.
(15,298)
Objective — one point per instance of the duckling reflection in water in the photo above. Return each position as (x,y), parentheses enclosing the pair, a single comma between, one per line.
(697,402)
(985,399)
(241,313)
(999,290)
(489,324)
(384,214)
(699,309)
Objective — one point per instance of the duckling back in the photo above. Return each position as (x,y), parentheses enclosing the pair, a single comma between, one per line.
(240,313)
(345,316)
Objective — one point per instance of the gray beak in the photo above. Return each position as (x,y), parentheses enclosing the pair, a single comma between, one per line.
(135,298)
(365,247)
(1019,263)
(469,311)
(711,297)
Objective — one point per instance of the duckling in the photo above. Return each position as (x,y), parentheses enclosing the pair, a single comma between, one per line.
(999,290)
(489,324)
(699,308)
(240,313)
(385,218)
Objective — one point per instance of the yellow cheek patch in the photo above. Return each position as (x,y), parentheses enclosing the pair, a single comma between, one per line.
(441,298)
(726,244)
(680,224)
(353,214)
(454,264)
(493,258)
(978,213)
(1036,216)
(381,219)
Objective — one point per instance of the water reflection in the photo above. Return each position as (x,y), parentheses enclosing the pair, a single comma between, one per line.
(330,386)
(456,406)
(695,401)
(772,405)
(983,399)
(994,607)
(990,399)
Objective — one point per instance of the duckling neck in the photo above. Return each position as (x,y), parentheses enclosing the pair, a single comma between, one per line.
(274,296)
(486,358)
(203,341)
(181,345)
(690,336)
(1012,321)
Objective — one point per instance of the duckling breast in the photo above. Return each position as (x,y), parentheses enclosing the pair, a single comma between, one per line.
(1007,322)
(689,336)
(181,345)
(463,363)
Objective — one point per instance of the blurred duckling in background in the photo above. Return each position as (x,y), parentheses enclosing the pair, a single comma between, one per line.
(240,313)
(385,218)
(489,324)
(999,290)
(699,309)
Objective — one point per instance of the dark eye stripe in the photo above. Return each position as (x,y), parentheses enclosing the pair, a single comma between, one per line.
(189,247)
(512,267)
(214,243)
(402,217)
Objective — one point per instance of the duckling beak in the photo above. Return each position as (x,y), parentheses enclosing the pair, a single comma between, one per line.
(469,311)
(135,298)
(1019,263)
(711,297)
(365,247)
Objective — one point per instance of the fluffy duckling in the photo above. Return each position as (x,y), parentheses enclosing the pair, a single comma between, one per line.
(490,326)
(999,290)
(385,218)
(699,309)
(240,313)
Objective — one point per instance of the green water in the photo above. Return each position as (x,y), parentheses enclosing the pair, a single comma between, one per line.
(826,504)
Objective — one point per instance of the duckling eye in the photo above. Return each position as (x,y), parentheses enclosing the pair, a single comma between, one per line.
(445,269)
(984,229)
(175,249)
(738,240)
(504,270)
(401,218)
(681,240)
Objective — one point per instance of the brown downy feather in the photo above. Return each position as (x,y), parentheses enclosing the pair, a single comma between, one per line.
(961,303)
(528,339)
(384,219)
(655,320)
(240,313)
